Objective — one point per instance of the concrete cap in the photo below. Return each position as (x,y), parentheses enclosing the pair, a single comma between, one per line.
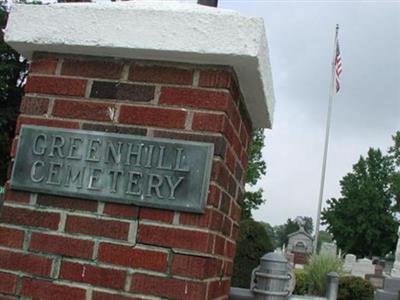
(153,30)
(274,257)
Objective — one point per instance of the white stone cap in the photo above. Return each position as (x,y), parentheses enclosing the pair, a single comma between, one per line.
(153,30)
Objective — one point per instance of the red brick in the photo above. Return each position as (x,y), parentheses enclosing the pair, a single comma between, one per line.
(245,117)
(122,91)
(195,266)
(208,122)
(151,116)
(4,297)
(214,78)
(240,196)
(227,226)
(233,138)
(8,283)
(239,173)
(234,116)
(34,106)
(217,289)
(32,218)
(28,263)
(133,257)
(157,215)
(211,219)
(16,196)
(93,275)
(67,203)
(244,137)
(232,186)
(83,110)
(220,174)
(43,66)
(97,227)
(235,212)
(244,160)
(121,210)
(94,69)
(114,128)
(219,246)
(235,232)
(228,268)
(56,86)
(61,245)
(167,287)
(230,249)
(159,74)
(174,238)
(106,296)
(47,290)
(185,97)
(218,141)
(45,122)
(214,195)
(11,237)
(230,160)
(225,203)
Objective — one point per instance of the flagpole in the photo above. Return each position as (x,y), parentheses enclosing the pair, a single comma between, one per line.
(327,130)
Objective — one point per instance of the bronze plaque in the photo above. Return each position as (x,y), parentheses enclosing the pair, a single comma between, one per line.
(144,171)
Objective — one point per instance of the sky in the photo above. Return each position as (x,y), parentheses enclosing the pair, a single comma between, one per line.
(366,111)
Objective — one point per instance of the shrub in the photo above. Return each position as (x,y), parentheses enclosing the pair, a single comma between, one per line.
(316,270)
(252,244)
(301,284)
(351,287)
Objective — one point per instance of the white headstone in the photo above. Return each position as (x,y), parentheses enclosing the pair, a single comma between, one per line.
(328,248)
(349,261)
(363,267)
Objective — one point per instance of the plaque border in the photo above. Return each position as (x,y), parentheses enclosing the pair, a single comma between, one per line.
(206,178)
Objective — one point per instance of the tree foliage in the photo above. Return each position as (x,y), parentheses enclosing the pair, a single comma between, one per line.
(252,244)
(363,220)
(324,237)
(270,232)
(394,156)
(12,74)
(256,168)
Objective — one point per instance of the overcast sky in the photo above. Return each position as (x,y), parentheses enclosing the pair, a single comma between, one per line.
(366,112)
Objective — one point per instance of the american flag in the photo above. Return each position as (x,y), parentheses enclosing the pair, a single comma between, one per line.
(338,67)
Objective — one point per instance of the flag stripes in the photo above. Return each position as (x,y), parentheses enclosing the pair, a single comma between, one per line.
(338,67)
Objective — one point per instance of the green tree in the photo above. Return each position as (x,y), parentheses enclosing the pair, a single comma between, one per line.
(394,156)
(256,168)
(363,220)
(252,244)
(12,79)
(270,232)
(324,237)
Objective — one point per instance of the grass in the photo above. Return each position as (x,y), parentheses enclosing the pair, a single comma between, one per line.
(316,270)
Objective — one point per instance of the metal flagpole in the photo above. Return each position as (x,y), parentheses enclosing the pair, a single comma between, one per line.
(328,124)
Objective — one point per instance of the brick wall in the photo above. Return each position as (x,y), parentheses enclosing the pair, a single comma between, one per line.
(62,248)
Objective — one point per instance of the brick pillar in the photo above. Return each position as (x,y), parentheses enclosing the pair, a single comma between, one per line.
(78,247)
(54,247)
